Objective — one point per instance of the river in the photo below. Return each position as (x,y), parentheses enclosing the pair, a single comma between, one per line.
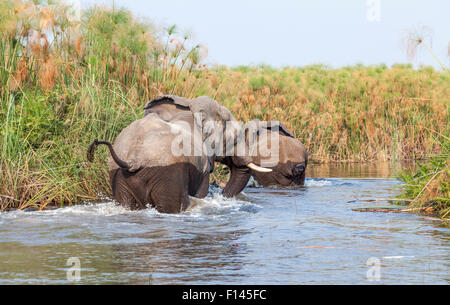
(307,235)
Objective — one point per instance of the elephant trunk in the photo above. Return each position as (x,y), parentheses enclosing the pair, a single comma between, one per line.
(298,174)
(93,146)
(239,176)
(238,180)
(241,171)
(298,169)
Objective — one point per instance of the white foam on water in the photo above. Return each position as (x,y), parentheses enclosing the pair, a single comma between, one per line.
(108,208)
(215,204)
(317,182)
(253,183)
(331,182)
(218,205)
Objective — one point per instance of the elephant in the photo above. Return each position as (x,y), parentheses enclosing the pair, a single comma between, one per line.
(290,157)
(164,159)
(240,172)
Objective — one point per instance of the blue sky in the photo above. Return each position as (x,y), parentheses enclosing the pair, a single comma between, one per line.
(298,33)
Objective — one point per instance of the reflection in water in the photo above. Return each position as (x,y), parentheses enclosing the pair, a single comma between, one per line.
(361,170)
(197,256)
(264,236)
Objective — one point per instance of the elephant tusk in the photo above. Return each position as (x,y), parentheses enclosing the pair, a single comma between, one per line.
(258,168)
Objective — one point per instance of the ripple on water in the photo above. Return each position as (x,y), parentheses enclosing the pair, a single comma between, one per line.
(265,235)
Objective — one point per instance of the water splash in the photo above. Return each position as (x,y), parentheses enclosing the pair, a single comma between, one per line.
(317,182)
(216,204)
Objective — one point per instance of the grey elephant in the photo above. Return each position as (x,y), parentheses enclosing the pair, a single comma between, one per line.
(292,159)
(291,155)
(165,158)
(287,157)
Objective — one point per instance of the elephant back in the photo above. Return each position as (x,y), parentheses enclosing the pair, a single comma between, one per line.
(167,106)
(149,142)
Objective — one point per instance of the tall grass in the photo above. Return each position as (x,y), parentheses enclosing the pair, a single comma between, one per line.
(65,82)
(349,114)
(429,185)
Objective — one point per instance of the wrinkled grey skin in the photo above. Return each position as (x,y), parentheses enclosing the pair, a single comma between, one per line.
(293,156)
(292,159)
(240,173)
(142,167)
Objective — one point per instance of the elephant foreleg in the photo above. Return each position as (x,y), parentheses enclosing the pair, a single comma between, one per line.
(204,186)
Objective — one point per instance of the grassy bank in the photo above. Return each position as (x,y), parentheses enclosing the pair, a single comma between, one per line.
(65,82)
(428,187)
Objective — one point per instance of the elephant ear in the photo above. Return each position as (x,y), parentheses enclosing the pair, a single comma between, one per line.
(204,109)
(256,126)
(282,129)
(177,101)
(231,126)
(226,114)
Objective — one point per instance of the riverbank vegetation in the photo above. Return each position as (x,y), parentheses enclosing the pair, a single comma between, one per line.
(65,81)
(428,186)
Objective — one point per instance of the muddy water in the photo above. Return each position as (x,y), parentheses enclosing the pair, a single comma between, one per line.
(307,235)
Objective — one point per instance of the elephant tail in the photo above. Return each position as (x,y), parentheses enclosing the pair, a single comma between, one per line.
(93,146)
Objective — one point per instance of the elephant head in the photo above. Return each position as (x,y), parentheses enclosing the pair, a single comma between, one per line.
(288,159)
(271,146)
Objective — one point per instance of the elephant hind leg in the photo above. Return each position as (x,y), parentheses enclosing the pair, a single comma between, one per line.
(170,199)
(178,205)
(167,188)
(122,192)
(170,188)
